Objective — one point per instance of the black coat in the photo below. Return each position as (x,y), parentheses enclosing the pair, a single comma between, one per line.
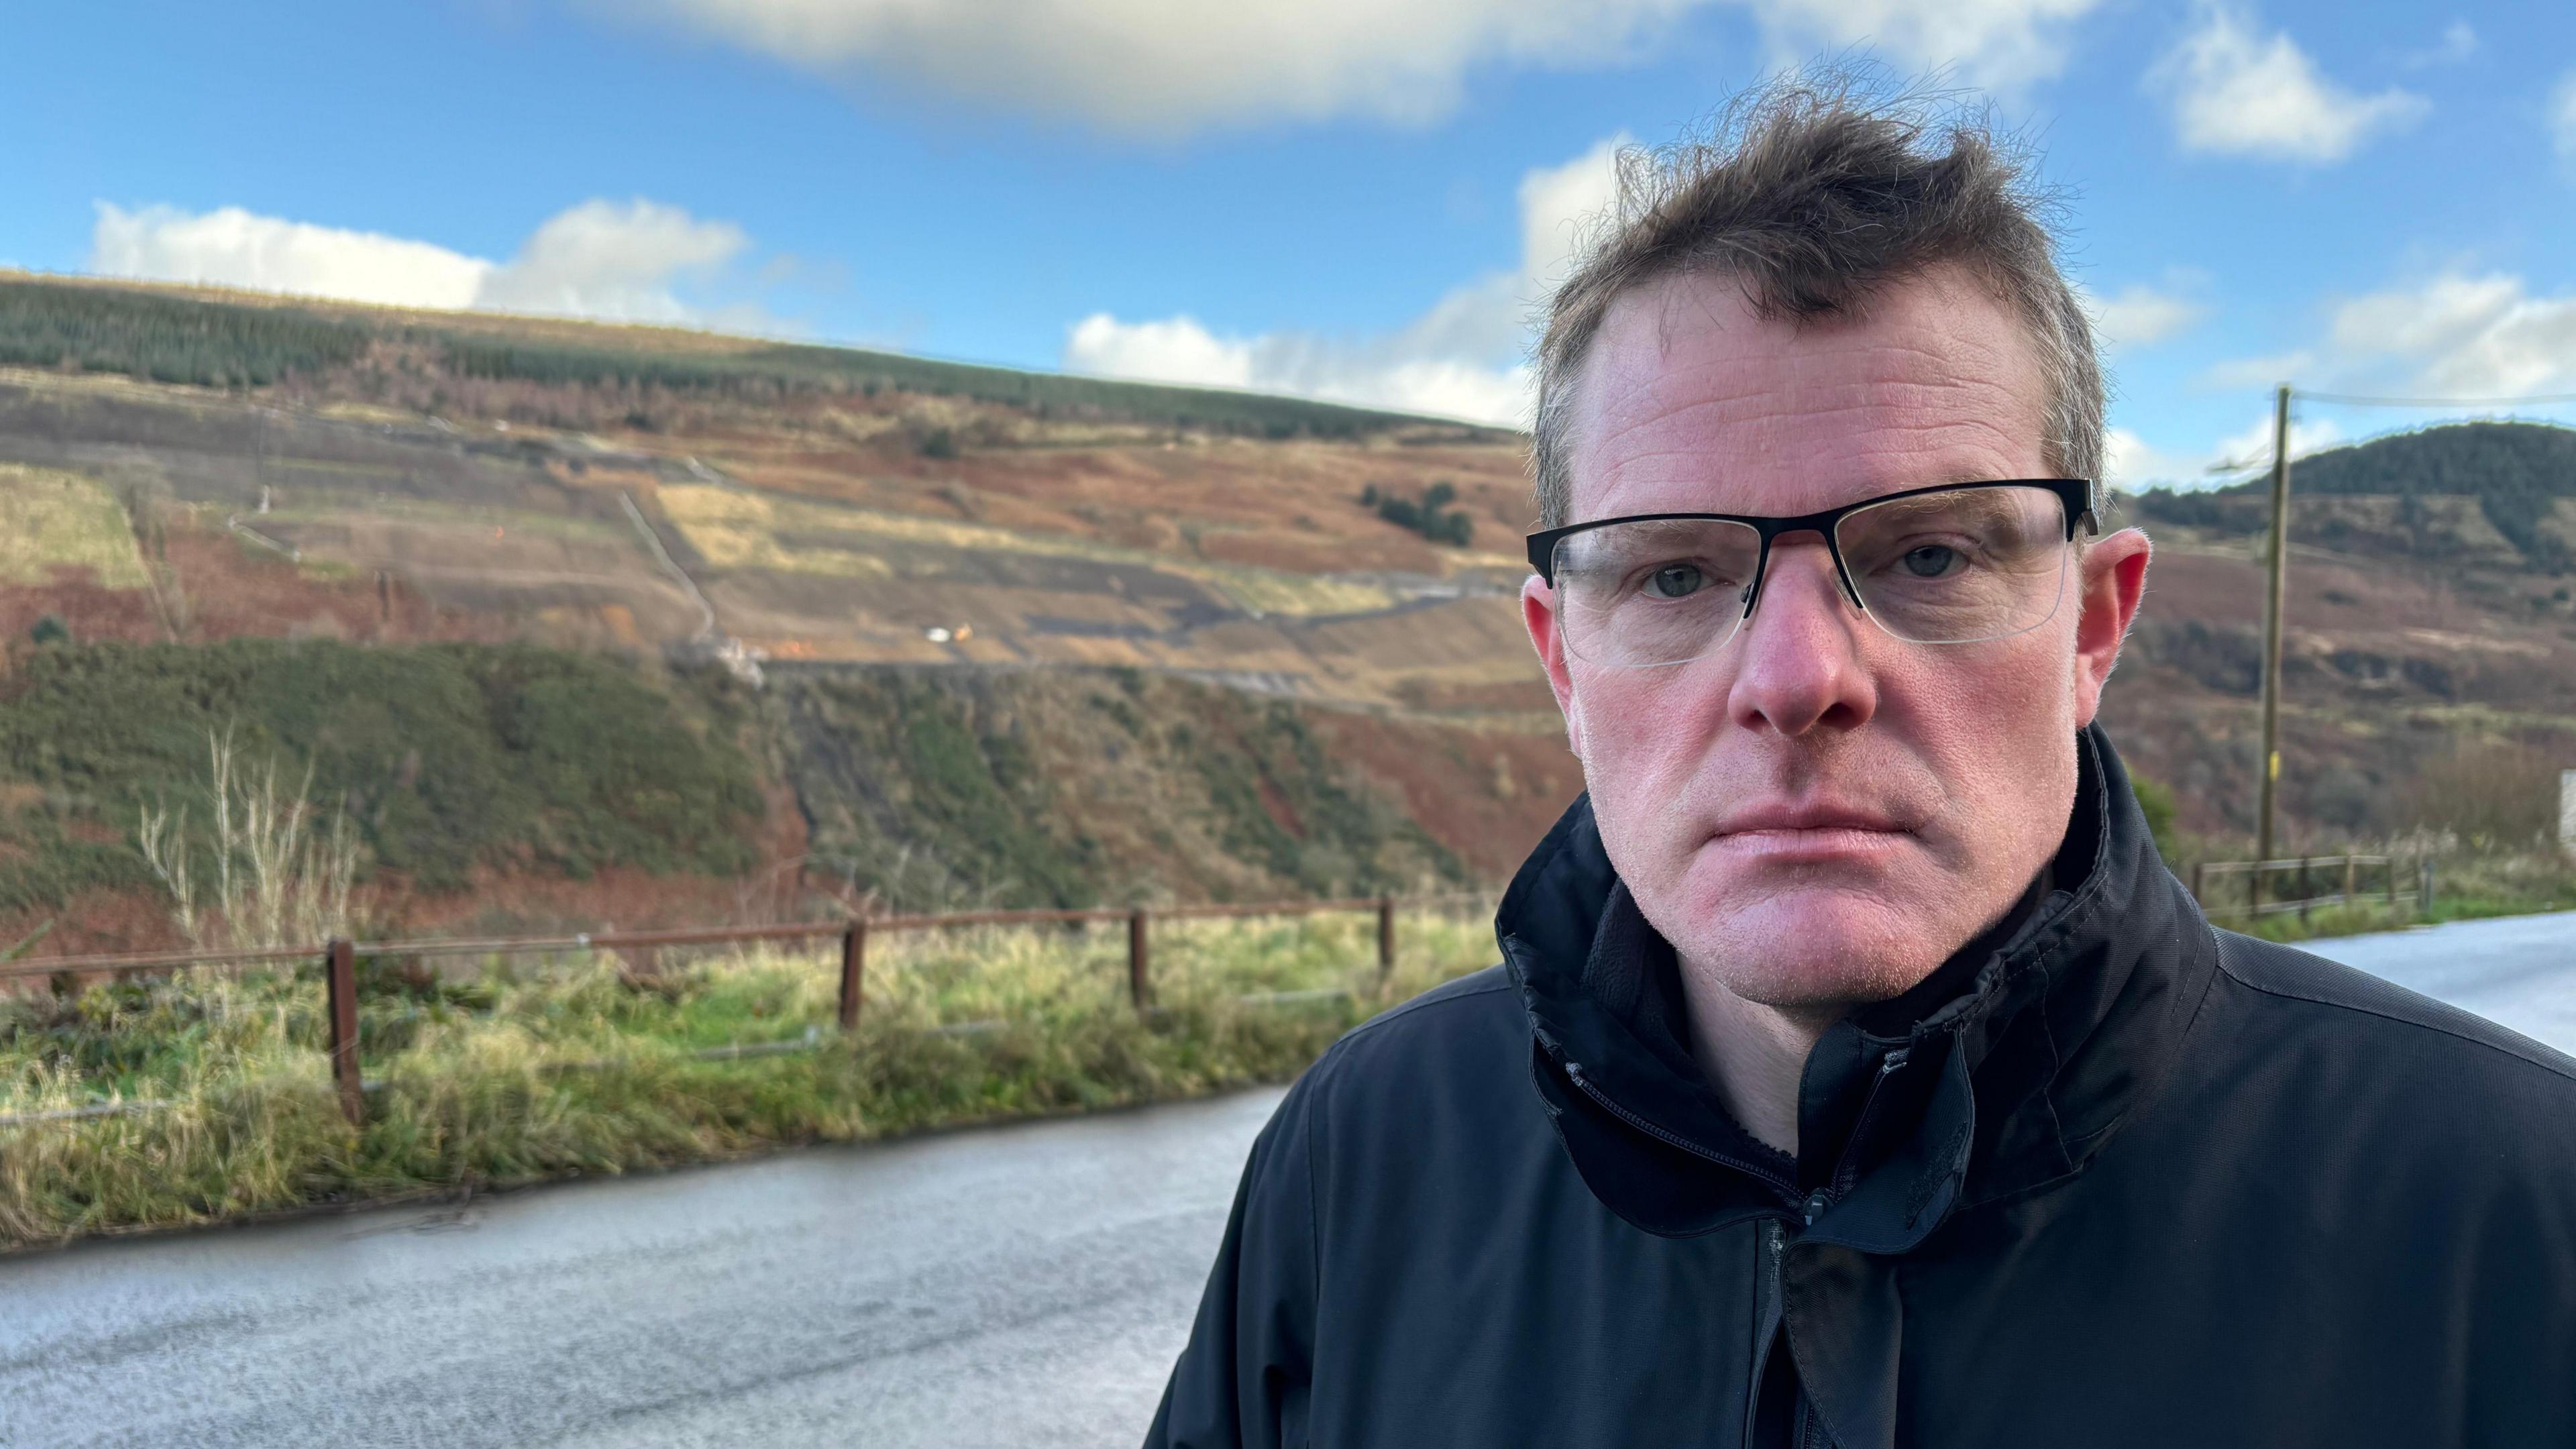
(2112,1179)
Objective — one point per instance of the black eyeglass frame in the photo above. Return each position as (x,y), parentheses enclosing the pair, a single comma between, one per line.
(2074,495)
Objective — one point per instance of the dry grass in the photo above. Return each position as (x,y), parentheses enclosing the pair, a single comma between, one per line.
(531,1070)
(51,520)
(736,529)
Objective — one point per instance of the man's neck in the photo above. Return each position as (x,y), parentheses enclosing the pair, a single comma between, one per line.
(1754,1055)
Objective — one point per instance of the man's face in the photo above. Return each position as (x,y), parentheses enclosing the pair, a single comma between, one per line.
(1818,814)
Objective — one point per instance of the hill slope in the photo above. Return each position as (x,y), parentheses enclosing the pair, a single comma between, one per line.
(1007,636)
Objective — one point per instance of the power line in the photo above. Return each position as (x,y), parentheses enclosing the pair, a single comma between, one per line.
(2355,400)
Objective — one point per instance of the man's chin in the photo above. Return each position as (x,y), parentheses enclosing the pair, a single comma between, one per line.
(1810,947)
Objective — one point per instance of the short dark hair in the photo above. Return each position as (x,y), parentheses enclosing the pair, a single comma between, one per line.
(1813,190)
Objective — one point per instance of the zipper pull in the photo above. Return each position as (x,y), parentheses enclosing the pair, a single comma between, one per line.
(1815,1206)
(1888,1064)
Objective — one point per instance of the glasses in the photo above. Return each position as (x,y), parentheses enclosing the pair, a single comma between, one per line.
(1952,564)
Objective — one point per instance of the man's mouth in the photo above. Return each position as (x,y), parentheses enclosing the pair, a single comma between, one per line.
(1817,830)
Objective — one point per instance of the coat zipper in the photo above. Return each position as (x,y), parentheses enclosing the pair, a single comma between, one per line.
(1848,1171)
(1766,1327)
(1574,1073)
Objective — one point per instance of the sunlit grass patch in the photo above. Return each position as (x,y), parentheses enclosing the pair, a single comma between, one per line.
(518,1070)
(50,520)
(738,529)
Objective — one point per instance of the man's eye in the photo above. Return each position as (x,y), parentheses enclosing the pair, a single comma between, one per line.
(1932,560)
(1674,581)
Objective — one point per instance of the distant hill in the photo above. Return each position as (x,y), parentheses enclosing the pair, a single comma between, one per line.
(957,635)
(232,340)
(2522,477)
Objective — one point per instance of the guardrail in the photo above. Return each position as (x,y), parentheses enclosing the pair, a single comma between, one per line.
(2302,896)
(339,957)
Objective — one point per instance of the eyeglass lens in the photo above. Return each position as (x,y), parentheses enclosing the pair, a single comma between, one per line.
(1953,567)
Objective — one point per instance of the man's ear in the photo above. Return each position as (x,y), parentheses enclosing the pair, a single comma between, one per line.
(2114,580)
(1538,613)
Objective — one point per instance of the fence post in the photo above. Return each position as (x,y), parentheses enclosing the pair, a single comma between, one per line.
(2307,892)
(854,965)
(2199,872)
(1139,988)
(2351,879)
(1385,940)
(2424,885)
(340,990)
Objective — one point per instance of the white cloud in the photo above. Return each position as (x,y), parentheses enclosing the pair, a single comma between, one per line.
(1384,372)
(231,247)
(1461,358)
(1176,349)
(613,260)
(1563,207)
(2562,117)
(2252,448)
(2237,92)
(2461,336)
(2268,371)
(1997,44)
(2141,316)
(1152,67)
(2134,465)
(2459,41)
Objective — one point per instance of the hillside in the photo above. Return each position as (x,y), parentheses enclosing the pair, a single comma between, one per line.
(983,635)
(2430,618)
(2479,493)
(1017,638)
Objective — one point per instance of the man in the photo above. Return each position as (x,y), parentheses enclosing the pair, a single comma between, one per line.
(1856,1074)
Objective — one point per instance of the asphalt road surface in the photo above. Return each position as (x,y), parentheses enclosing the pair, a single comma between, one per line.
(1022,1286)
(2518,970)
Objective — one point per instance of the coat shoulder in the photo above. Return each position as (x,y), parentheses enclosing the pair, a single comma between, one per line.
(1456,1054)
(2392,1016)
(1469,1017)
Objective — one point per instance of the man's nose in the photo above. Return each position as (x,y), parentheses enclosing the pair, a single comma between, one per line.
(1800,667)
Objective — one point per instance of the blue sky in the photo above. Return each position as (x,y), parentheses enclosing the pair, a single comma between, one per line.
(1346,197)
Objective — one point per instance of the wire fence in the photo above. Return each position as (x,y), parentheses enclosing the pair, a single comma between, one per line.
(339,959)
(2294,883)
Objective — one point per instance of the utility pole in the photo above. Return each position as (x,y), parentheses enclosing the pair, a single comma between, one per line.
(2272,633)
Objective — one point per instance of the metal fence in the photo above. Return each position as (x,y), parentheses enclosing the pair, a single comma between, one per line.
(339,958)
(2272,886)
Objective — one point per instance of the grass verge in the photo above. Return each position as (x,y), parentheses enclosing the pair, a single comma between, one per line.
(2467,888)
(528,1070)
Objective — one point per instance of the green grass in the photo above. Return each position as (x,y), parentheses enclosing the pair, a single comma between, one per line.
(448,757)
(530,1070)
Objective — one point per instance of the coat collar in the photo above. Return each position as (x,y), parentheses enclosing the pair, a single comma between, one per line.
(2004,1070)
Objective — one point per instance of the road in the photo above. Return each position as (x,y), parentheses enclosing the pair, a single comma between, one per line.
(2519,970)
(1021,1286)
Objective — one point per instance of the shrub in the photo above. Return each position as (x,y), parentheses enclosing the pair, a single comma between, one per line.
(2156,802)
(444,756)
(1430,515)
